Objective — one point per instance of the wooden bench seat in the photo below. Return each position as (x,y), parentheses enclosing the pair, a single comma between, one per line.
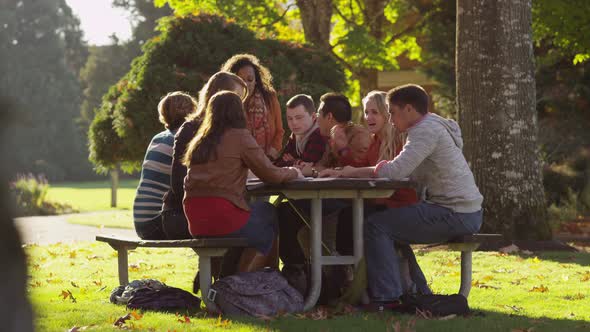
(204,247)
(466,244)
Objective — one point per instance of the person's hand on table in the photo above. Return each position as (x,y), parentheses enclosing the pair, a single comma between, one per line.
(337,172)
(299,174)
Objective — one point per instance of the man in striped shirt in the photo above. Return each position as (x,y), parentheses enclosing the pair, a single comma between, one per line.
(157,166)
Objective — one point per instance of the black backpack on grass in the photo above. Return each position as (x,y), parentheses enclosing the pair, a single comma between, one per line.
(165,299)
(435,304)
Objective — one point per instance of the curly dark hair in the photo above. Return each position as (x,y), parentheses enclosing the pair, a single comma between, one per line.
(263,76)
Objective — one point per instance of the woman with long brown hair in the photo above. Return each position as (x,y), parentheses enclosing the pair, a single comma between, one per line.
(218,159)
(173,213)
(263,111)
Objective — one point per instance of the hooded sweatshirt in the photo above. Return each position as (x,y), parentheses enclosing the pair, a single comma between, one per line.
(433,157)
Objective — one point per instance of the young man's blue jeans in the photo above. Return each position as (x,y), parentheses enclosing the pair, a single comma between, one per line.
(420,223)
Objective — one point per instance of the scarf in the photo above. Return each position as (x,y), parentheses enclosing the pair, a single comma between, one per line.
(300,142)
(257,118)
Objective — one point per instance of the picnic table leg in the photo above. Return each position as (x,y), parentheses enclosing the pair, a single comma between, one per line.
(123,264)
(205,255)
(316,254)
(465,287)
(357,224)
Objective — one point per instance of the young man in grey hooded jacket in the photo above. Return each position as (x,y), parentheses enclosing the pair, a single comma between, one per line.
(433,157)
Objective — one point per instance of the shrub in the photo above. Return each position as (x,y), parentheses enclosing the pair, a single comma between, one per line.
(30,196)
(567,210)
(185,54)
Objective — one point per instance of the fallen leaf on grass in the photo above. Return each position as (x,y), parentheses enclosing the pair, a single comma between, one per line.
(502,271)
(585,276)
(518,281)
(136,315)
(73,254)
(36,284)
(530,329)
(121,320)
(319,313)
(487,278)
(578,296)
(539,289)
(479,284)
(97,283)
(67,294)
(74,284)
(397,326)
(451,316)
(513,308)
(223,322)
(52,253)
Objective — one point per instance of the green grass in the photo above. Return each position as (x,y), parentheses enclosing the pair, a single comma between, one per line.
(113,219)
(93,196)
(547,293)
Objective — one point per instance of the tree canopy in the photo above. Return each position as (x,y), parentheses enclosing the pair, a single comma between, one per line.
(188,50)
(364,36)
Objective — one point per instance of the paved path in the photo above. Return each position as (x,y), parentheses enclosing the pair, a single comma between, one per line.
(53,229)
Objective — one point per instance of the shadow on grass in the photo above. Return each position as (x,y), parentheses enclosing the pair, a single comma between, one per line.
(478,321)
(579,258)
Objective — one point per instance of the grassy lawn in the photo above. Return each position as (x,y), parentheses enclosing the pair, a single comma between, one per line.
(93,196)
(546,292)
(113,219)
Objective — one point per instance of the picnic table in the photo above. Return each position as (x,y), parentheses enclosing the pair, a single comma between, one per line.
(316,189)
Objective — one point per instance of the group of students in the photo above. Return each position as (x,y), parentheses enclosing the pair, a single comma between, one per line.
(194,174)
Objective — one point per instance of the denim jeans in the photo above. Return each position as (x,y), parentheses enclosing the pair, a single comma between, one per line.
(175,225)
(151,229)
(420,223)
(261,228)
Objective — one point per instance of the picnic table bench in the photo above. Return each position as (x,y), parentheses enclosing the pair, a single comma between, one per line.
(204,247)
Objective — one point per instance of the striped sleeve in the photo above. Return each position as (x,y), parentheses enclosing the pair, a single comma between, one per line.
(155,177)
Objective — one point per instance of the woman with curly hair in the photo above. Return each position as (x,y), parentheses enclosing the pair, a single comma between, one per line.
(263,111)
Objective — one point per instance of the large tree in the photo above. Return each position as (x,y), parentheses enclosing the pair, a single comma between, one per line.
(42,52)
(365,36)
(496,104)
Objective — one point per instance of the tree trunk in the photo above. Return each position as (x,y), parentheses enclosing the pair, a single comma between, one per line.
(114,186)
(367,80)
(316,17)
(496,104)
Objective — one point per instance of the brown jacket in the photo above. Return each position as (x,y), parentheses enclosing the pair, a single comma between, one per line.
(225,176)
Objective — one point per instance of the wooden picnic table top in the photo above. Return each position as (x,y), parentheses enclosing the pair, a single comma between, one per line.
(255,185)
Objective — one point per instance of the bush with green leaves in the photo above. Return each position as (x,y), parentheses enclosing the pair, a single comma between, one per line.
(30,196)
(185,54)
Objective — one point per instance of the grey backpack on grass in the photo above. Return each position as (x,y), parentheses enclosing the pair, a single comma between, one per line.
(261,293)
